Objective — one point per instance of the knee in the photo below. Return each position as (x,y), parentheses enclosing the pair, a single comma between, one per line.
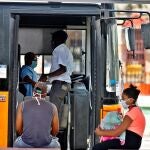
(54,143)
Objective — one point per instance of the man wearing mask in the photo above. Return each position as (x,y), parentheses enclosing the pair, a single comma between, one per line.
(61,69)
(27,74)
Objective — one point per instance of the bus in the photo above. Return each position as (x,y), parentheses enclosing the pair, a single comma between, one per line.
(92,28)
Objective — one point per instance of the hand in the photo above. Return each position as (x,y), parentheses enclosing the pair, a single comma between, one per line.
(43,78)
(98,131)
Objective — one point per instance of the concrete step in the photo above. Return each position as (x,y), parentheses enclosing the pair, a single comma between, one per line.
(12,148)
(145,143)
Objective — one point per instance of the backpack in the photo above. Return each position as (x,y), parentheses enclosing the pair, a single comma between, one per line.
(22,88)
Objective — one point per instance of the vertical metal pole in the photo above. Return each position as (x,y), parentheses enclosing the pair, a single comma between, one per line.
(69,122)
(14,23)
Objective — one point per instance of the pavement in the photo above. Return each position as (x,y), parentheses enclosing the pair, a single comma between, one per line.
(145,143)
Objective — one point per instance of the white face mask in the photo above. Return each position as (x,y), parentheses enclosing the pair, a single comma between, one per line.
(124,104)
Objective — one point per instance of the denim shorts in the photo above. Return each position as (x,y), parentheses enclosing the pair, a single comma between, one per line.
(20,144)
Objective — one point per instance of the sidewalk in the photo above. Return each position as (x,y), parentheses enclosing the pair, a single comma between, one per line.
(145,143)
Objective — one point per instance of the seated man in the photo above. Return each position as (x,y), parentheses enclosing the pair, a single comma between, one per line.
(37,121)
(28,75)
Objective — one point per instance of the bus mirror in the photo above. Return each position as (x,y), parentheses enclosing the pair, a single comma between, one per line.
(145,29)
(130,38)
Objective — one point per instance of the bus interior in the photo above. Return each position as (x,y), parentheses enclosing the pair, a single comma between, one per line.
(34,34)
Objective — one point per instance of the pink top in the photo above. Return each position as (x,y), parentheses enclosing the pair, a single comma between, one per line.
(138,123)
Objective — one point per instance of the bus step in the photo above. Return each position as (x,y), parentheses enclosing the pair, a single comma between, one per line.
(13,148)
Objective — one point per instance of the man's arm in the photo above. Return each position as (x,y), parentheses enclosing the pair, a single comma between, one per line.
(28,80)
(62,69)
(19,120)
(55,122)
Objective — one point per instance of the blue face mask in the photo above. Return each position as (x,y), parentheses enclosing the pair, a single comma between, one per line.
(34,64)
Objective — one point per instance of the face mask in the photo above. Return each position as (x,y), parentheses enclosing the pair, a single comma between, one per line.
(34,64)
(124,104)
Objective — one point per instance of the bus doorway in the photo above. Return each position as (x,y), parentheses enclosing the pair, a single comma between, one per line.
(34,35)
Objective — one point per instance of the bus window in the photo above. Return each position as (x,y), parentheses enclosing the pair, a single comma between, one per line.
(76,43)
(43,63)
(47,63)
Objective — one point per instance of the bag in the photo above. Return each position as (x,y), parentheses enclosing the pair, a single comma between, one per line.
(22,88)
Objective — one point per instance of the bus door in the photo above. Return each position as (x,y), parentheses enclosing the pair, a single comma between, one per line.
(13,76)
(97,73)
(83,27)
(105,65)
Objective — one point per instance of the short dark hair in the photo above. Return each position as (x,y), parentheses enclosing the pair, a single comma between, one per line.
(29,57)
(132,92)
(60,35)
(40,87)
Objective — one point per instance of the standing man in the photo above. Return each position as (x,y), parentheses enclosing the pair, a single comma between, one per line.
(37,121)
(27,74)
(61,69)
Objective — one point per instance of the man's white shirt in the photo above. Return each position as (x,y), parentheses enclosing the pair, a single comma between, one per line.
(62,56)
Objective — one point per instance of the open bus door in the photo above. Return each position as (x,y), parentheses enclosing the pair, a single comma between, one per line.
(97,78)
(14,71)
(104,37)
